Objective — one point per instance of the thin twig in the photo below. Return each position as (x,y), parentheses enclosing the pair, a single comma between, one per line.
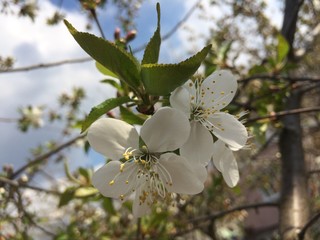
(45,156)
(314,172)
(275,116)
(94,15)
(46,65)
(279,77)
(9,120)
(221,214)
(308,225)
(265,145)
(212,217)
(20,185)
(29,217)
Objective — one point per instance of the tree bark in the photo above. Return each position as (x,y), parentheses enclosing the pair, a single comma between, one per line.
(294,205)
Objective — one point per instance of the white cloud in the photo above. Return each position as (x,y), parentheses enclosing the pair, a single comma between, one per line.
(33,43)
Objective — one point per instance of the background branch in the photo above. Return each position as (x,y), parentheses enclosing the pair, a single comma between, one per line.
(278,77)
(308,225)
(46,65)
(45,156)
(275,116)
(215,216)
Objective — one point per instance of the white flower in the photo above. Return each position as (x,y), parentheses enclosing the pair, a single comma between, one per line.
(33,115)
(202,102)
(150,169)
(226,163)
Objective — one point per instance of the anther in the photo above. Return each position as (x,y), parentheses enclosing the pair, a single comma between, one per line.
(121,167)
(111,182)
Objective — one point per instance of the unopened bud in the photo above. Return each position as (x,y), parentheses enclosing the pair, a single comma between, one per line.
(8,169)
(131,35)
(116,34)
(24,179)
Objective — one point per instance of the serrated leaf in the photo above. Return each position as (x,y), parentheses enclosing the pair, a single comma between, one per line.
(282,48)
(151,53)
(129,117)
(109,55)
(105,71)
(103,108)
(85,192)
(161,79)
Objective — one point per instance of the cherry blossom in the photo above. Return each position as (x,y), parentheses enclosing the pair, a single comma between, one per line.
(145,165)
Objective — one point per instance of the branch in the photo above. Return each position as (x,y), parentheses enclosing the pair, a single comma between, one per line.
(279,77)
(45,156)
(94,15)
(221,214)
(9,120)
(314,172)
(15,183)
(175,27)
(46,65)
(265,145)
(308,225)
(275,116)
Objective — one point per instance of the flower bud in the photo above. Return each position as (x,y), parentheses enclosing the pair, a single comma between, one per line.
(131,35)
(116,34)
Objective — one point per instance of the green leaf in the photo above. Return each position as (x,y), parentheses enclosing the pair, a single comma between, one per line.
(108,55)
(113,83)
(86,173)
(103,108)
(66,197)
(129,117)
(224,50)
(107,204)
(258,69)
(151,53)
(282,48)
(105,71)
(161,79)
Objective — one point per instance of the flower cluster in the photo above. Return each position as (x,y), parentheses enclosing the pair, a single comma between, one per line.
(149,166)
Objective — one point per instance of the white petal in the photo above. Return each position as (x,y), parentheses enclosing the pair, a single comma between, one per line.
(167,130)
(229,168)
(226,163)
(140,209)
(218,151)
(184,179)
(199,147)
(228,129)
(201,172)
(181,99)
(111,137)
(101,179)
(218,89)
